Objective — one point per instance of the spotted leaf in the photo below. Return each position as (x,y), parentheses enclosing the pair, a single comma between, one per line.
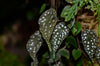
(97,54)
(34,44)
(89,40)
(59,34)
(47,21)
(59,63)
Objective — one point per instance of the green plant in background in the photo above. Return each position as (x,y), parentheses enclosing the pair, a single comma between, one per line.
(7,58)
(66,31)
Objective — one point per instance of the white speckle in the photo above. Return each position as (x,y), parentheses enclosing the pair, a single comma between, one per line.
(33,51)
(30,48)
(45,14)
(65,27)
(59,27)
(50,26)
(45,33)
(85,37)
(87,45)
(91,50)
(53,20)
(84,34)
(55,30)
(92,43)
(40,42)
(88,42)
(84,41)
(57,33)
(42,21)
(43,17)
(88,48)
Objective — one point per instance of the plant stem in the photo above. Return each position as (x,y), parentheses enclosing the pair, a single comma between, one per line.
(53,3)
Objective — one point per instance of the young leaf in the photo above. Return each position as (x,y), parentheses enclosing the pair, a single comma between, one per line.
(97,54)
(76,28)
(33,45)
(47,21)
(76,53)
(42,8)
(64,52)
(63,13)
(60,33)
(71,23)
(72,41)
(89,40)
(69,12)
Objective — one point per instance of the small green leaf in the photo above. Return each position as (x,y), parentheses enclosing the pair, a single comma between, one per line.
(42,8)
(72,41)
(64,52)
(89,62)
(63,13)
(71,23)
(76,53)
(76,28)
(97,54)
(45,55)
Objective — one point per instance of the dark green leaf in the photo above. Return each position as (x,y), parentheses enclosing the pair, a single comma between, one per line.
(72,41)
(64,52)
(76,28)
(97,54)
(89,40)
(34,44)
(76,53)
(42,8)
(47,22)
(46,55)
(60,33)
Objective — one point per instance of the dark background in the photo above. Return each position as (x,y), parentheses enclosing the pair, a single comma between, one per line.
(18,20)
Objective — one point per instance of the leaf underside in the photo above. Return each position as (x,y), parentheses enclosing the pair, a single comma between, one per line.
(89,40)
(60,33)
(33,45)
